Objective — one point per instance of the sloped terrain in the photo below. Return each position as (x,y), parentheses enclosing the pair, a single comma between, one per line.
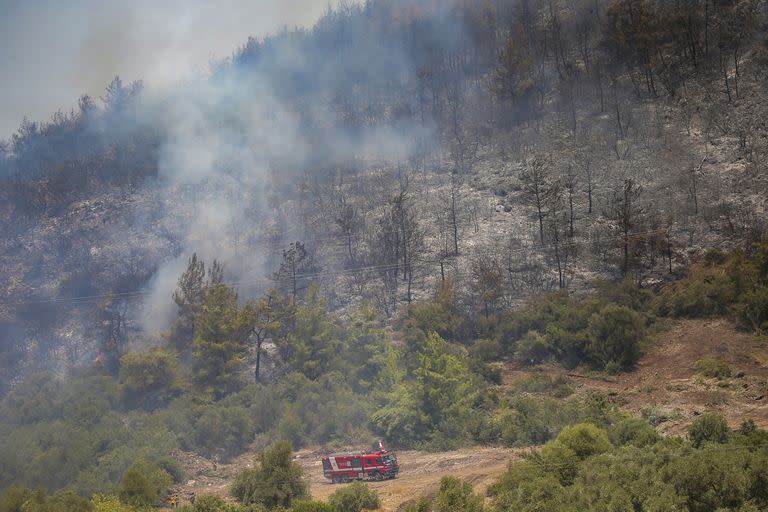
(665,387)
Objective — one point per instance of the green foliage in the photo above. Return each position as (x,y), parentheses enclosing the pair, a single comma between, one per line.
(311,506)
(143,483)
(484,356)
(36,398)
(561,461)
(455,495)
(420,505)
(223,429)
(532,349)
(634,432)
(584,440)
(735,285)
(102,503)
(222,329)
(16,499)
(713,368)
(709,428)
(216,504)
(437,406)
(355,497)
(312,347)
(149,378)
(604,330)
(276,481)
(525,420)
(615,334)
(365,350)
(440,316)
(13,499)
(663,475)
(189,299)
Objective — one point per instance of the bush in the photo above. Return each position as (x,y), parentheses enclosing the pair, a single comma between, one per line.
(311,506)
(456,495)
(704,293)
(13,499)
(276,481)
(634,432)
(713,368)
(354,498)
(584,439)
(109,504)
(615,334)
(709,428)
(420,505)
(149,378)
(143,483)
(216,504)
(560,460)
(532,349)
(222,429)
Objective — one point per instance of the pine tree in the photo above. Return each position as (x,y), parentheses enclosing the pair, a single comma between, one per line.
(188,297)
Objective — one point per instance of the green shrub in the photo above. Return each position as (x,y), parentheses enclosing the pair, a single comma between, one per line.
(584,439)
(13,499)
(713,368)
(560,460)
(420,505)
(704,293)
(532,349)
(440,316)
(143,483)
(223,430)
(36,398)
(455,495)
(354,498)
(109,504)
(276,481)
(708,428)
(615,334)
(752,310)
(634,432)
(311,506)
(61,502)
(216,504)
(149,378)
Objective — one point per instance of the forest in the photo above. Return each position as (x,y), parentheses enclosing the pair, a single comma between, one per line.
(351,231)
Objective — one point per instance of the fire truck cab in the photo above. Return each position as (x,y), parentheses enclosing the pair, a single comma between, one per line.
(347,466)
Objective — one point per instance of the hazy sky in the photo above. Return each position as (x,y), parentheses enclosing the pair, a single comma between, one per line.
(52,51)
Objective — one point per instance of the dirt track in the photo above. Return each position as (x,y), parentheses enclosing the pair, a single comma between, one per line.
(420,473)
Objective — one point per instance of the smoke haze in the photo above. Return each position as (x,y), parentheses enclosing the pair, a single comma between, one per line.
(52,52)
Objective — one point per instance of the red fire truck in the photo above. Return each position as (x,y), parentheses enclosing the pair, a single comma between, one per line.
(374,465)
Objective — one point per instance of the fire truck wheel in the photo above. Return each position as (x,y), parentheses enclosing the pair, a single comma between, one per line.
(334,479)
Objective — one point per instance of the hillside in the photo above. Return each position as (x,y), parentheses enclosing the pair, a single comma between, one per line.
(537,227)
(664,388)
(499,162)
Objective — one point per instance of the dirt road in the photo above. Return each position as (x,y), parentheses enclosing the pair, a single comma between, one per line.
(420,473)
